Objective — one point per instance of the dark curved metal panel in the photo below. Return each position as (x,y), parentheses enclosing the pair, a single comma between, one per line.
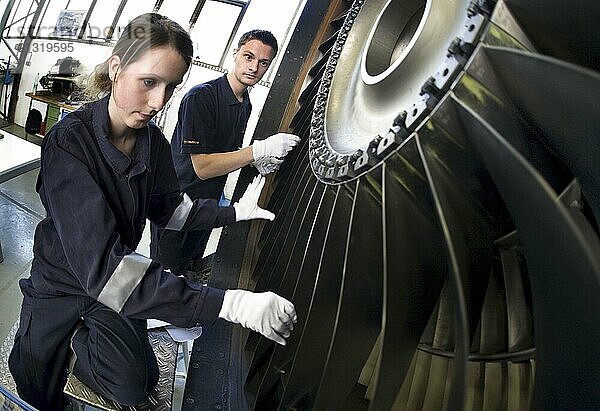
(564,272)
(302,379)
(458,317)
(518,302)
(300,289)
(270,268)
(520,385)
(477,378)
(566,30)
(493,327)
(358,318)
(570,124)
(448,205)
(494,390)
(482,90)
(286,181)
(414,270)
(285,275)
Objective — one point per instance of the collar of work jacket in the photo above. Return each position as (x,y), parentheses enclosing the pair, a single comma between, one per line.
(227,92)
(120,163)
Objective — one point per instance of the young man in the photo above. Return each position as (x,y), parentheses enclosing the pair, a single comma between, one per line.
(207,140)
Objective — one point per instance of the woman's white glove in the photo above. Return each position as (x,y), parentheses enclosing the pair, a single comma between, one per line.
(267,165)
(278,145)
(267,313)
(247,207)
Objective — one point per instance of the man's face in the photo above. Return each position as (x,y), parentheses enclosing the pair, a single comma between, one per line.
(251,62)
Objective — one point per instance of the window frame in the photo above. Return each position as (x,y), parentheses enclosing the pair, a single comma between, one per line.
(108,40)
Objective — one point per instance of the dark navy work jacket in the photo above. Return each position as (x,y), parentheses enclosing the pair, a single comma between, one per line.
(210,120)
(97,201)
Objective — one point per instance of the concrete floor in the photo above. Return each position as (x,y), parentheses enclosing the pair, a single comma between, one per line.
(20,211)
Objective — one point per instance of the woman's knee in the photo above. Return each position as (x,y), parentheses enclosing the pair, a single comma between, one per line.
(131,386)
(116,359)
(129,395)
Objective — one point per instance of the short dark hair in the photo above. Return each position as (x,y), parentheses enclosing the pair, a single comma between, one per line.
(264,36)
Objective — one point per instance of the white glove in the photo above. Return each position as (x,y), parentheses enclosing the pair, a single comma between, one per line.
(267,313)
(278,145)
(267,165)
(247,207)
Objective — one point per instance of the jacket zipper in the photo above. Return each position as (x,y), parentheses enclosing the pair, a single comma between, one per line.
(133,233)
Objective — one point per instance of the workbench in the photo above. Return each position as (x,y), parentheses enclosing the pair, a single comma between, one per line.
(56,106)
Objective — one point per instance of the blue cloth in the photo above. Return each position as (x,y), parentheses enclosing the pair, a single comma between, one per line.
(210,120)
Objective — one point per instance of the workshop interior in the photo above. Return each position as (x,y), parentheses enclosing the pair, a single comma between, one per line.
(437,227)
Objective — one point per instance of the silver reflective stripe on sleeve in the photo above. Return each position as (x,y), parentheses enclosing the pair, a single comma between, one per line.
(180,214)
(123,281)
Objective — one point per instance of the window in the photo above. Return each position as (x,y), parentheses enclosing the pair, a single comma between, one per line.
(132,9)
(281,21)
(179,11)
(213,29)
(63,18)
(101,19)
(21,18)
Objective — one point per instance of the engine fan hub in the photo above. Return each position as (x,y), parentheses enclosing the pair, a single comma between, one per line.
(398,46)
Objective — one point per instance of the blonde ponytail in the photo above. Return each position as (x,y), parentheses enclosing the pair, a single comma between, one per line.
(99,83)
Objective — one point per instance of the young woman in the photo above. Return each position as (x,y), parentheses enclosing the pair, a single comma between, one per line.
(106,168)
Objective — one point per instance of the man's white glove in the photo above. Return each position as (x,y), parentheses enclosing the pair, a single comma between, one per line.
(247,207)
(267,165)
(267,313)
(278,145)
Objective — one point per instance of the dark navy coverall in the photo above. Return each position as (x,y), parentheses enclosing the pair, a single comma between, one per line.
(210,120)
(85,270)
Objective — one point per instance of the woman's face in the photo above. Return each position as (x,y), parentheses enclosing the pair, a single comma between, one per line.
(141,89)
